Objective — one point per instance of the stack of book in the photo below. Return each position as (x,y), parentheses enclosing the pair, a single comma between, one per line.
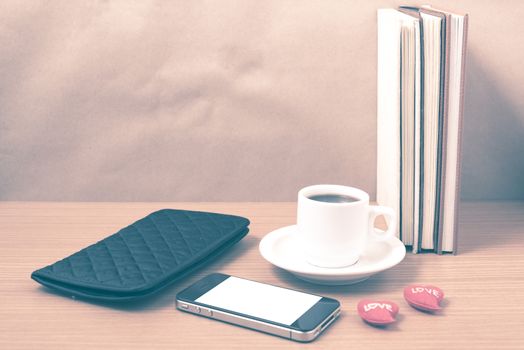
(420,100)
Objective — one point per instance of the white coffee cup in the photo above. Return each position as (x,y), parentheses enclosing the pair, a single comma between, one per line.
(334,234)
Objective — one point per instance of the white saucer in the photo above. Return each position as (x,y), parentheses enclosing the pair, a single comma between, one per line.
(281,249)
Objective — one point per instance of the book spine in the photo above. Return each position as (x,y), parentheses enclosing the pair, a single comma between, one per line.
(443,135)
(461,118)
(421,142)
(416,135)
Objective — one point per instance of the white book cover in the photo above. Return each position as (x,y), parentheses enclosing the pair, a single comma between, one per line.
(398,105)
(388,110)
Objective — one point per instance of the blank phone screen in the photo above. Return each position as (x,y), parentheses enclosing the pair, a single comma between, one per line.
(259,300)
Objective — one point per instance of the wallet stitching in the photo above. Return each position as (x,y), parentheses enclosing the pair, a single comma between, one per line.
(114,263)
(201,233)
(72,268)
(181,234)
(210,218)
(133,257)
(140,233)
(159,231)
(92,265)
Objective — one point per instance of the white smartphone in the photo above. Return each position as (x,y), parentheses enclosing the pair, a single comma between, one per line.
(280,311)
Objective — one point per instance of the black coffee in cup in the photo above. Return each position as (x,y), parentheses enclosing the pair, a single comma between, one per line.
(333,198)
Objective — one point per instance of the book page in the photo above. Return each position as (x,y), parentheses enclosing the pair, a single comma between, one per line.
(430,134)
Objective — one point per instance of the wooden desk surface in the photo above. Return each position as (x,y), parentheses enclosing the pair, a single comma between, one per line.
(484,285)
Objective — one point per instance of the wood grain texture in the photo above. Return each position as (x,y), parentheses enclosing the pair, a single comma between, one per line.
(484,285)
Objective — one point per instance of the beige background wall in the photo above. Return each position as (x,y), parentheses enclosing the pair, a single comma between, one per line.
(228,100)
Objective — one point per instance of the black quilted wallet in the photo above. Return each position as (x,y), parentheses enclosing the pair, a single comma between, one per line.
(145,256)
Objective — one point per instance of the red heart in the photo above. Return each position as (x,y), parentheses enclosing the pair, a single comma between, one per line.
(424,297)
(377,312)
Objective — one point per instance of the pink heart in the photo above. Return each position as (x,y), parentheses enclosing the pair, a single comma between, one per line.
(424,297)
(377,312)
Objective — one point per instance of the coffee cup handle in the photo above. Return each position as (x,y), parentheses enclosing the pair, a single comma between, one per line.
(376,210)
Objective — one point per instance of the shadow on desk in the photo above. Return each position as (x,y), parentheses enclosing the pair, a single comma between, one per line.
(490,225)
(166,296)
